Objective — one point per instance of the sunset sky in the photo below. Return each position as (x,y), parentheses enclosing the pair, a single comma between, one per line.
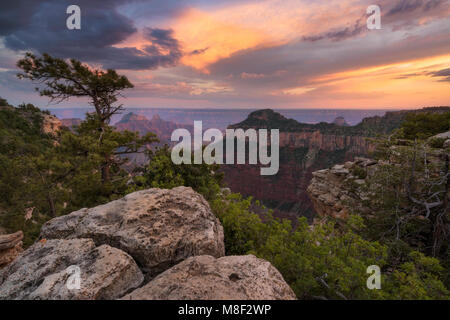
(242,54)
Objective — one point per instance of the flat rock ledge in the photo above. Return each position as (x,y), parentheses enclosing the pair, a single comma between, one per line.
(208,278)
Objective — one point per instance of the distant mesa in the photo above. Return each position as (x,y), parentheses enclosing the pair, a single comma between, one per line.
(340,121)
(266,115)
(139,123)
(71,122)
(163,129)
(132,117)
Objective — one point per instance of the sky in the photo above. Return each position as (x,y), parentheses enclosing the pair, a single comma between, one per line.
(241,54)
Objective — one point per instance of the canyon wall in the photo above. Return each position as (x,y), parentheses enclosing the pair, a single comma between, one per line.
(301,153)
(304,148)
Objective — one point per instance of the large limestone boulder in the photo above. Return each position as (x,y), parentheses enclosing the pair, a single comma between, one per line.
(443,135)
(10,247)
(157,227)
(44,270)
(208,278)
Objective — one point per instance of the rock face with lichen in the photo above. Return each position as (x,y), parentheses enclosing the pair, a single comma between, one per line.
(10,247)
(157,227)
(41,272)
(348,188)
(50,124)
(156,239)
(208,278)
(329,188)
(306,148)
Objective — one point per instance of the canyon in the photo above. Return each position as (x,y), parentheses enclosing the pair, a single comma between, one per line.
(304,149)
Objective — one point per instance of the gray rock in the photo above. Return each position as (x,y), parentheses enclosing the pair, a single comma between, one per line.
(444,135)
(41,272)
(225,191)
(226,278)
(446,144)
(10,247)
(339,169)
(157,227)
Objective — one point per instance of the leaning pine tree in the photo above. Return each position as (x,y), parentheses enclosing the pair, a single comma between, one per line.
(66,79)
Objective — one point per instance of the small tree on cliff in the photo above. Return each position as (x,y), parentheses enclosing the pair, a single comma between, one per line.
(66,79)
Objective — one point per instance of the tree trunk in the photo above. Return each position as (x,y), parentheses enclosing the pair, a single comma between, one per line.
(106,176)
(52,206)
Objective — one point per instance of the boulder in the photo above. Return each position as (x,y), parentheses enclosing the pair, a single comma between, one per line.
(446,144)
(10,247)
(443,135)
(44,270)
(208,278)
(157,227)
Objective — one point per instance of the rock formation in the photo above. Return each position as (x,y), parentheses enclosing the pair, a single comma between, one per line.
(226,278)
(164,240)
(163,130)
(304,149)
(41,272)
(342,189)
(157,227)
(329,188)
(50,124)
(10,247)
(340,121)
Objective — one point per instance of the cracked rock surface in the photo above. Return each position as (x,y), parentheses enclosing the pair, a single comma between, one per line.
(226,278)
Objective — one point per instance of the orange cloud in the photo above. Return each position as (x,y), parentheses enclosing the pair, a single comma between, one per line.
(408,83)
(199,30)
(230,29)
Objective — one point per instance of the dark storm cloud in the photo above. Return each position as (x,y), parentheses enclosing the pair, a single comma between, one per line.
(301,62)
(443,74)
(340,34)
(407,6)
(198,51)
(398,14)
(41,27)
(409,75)
(165,49)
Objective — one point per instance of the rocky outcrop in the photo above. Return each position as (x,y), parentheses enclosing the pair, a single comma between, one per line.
(444,135)
(226,278)
(340,121)
(50,124)
(44,271)
(157,227)
(10,247)
(349,188)
(330,189)
(304,148)
(112,248)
